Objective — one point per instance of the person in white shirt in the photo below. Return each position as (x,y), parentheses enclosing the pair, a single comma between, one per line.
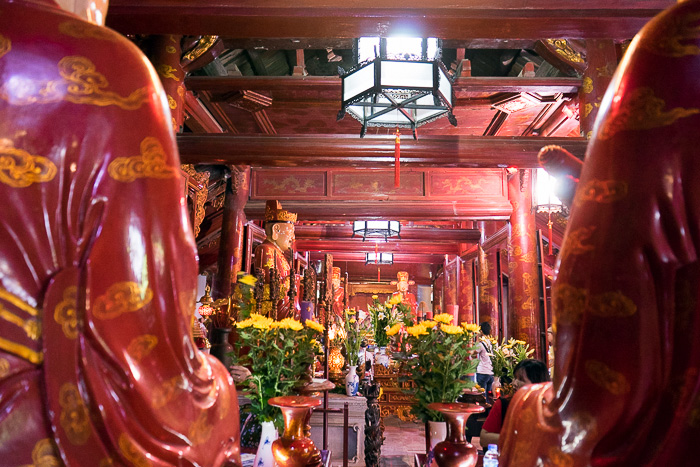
(484,372)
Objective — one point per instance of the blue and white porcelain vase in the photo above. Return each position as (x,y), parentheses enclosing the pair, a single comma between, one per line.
(352,381)
(264,457)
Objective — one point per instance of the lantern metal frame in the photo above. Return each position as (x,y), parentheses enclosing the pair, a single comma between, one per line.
(376,229)
(379,258)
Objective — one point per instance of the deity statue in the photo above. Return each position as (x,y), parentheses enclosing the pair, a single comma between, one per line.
(626,388)
(98,264)
(271,255)
(407,297)
(338,293)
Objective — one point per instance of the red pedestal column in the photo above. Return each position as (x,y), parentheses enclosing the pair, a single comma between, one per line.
(165,52)
(522,265)
(466,293)
(488,280)
(601,58)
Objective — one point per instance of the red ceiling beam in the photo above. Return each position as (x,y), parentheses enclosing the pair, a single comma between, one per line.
(358,246)
(328,232)
(370,151)
(323,84)
(494,19)
(399,258)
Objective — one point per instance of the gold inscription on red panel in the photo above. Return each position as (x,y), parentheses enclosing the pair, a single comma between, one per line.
(642,110)
(122,297)
(151,163)
(75,419)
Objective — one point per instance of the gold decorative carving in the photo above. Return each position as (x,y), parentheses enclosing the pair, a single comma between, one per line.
(4,367)
(167,391)
(612,381)
(667,38)
(75,419)
(562,47)
(22,351)
(141,346)
(151,163)
(121,297)
(200,431)
(170,49)
(204,44)
(642,110)
(44,454)
(172,103)
(5,45)
(601,191)
(587,109)
(17,302)
(587,86)
(198,184)
(66,313)
(461,185)
(165,71)
(20,169)
(82,30)
(80,83)
(570,303)
(289,184)
(131,452)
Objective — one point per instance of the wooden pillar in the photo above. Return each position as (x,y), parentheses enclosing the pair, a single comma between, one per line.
(601,58)
(466,293)
(488,279)
(165,52)
(230,259)
(522,265)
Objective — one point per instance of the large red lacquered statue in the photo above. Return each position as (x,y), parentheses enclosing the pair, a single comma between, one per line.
(97,260)
(626,388)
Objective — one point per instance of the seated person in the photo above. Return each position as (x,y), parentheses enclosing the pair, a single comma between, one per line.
(527,371)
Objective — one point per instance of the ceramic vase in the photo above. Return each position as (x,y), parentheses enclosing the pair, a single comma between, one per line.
(220,346)
(295,448)
(268,435)
(352,381)
(455,451)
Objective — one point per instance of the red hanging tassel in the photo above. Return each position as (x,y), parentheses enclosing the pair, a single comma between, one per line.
(397,156)
(379,275)
(549,224)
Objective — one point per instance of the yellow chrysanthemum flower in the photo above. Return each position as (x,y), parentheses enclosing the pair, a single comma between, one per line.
(394,330)
(245,324)
(248,280)
(375,297)
(520,342)
(450,329)
(445,318)
(417,330)
(314,325)
(395,300)
(288,323)
(428,323)
(470,327)
(261,322)
(353,320)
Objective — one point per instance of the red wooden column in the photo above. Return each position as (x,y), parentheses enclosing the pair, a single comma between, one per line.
(164,53)
(601,58)
(488,279)
(522,264)
(466,293)
(231,250)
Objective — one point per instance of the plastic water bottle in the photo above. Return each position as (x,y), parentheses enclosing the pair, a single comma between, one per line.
(491,456)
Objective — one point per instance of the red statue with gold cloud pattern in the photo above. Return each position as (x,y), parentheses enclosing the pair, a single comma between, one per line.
(97,260)
(626,388)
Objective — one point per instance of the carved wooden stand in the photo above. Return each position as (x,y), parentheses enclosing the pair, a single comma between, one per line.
(374,433)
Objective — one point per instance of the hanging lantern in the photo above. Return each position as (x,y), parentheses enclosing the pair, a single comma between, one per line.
(206,307)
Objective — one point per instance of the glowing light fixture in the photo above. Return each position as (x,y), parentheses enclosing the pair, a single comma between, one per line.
(207,303)
(376,229)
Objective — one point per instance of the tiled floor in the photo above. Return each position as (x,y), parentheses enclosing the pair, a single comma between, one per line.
(403,440)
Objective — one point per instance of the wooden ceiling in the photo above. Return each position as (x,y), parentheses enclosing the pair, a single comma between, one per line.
(251,110)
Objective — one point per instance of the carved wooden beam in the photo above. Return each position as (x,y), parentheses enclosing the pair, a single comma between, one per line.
(504,19)
(338,150)
(332,232)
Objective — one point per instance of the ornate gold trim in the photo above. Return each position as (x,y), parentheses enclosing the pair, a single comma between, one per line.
(665,38)
(82,30)
(20,169)
(612,381)
(131,452)
(151,163)
(65,313)
(80,83)
(44,454)
(575,245)
(198,182)
(204,44)
(22,351)
(562,47)
(165,71)
(31,327)
(74,418)
(141,346)
(4,367)
(602,191)
(121,297)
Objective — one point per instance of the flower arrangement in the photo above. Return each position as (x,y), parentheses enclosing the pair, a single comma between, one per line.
(506,355)
(442,359)
(353,337)
(278,354)
(385,315)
